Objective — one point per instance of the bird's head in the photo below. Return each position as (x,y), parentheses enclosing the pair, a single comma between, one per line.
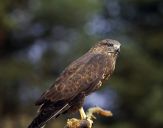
(108,46)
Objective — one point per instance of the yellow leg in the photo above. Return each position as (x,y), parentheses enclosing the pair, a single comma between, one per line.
(82,113)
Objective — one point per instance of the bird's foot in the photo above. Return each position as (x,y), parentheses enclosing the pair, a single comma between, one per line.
(82,114)
(90,122)
(77,123)
(86,120)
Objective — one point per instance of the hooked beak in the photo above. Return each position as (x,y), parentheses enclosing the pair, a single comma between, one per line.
(117,51)
(117,48)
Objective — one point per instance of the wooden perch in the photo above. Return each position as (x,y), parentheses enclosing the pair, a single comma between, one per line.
(87,123)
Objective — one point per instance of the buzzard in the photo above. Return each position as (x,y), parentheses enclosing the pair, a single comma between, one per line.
(79,79)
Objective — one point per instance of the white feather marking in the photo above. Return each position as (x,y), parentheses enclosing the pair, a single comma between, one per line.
(61,110)
(58,112)
(116,46)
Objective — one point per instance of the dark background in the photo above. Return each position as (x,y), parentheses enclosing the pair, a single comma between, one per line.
(39,38)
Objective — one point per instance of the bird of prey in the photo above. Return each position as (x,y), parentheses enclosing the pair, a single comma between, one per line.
(79,79)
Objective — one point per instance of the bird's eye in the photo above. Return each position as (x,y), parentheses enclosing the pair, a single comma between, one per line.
(110,45)
(107,44)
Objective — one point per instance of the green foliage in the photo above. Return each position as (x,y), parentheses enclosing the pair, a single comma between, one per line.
(66,12)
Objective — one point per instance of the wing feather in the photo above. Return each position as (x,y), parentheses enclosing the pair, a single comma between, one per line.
(82,75)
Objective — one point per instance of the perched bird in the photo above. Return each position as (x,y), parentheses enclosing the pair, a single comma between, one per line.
(79,79)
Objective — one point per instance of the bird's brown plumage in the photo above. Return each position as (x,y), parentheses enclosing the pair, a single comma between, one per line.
(78,80)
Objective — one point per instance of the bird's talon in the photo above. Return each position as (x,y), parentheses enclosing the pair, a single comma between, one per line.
(90,122)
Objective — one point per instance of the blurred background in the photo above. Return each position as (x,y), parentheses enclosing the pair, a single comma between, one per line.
(39,38)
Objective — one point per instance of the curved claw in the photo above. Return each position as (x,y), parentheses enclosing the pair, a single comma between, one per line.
(90,123)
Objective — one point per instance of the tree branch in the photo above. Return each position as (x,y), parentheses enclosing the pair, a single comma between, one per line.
(87,123)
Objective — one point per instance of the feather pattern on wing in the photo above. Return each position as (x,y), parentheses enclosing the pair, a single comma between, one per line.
(76,78)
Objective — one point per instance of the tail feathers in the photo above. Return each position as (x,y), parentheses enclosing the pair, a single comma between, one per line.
(46,114)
